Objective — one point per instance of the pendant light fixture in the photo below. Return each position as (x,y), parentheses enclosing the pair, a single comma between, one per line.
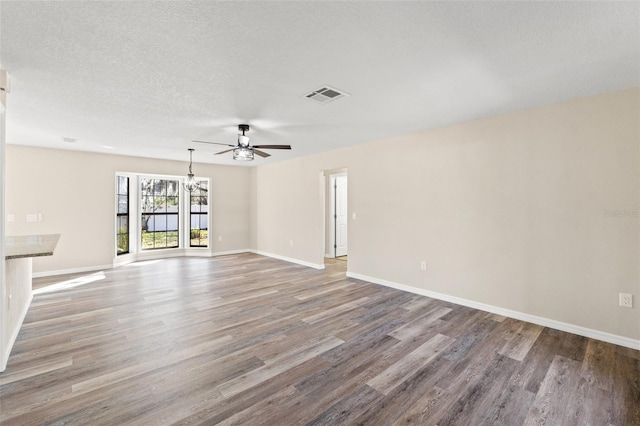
(191,184)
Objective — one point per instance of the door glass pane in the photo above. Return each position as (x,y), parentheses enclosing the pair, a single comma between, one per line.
(123,185)
(172,188)
(147,204)
(172,222)
(147,223)
(146,187)
(172,204)
(160,239)
(159,187)
(123,203)
(160,204)
(172,239)
(123,243)
(123,224)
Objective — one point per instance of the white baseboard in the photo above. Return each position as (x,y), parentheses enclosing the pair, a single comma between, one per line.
(289,259)
(546,322)
(169,253)
(158,254)
(70,271)
(229,252)
(14,334)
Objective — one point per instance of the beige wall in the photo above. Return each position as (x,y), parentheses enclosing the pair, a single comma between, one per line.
(512,211)
(289,206)
(74,191)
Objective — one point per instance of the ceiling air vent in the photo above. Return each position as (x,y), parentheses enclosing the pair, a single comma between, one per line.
(326,94)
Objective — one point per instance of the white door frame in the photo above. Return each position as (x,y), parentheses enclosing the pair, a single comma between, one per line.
(332,213)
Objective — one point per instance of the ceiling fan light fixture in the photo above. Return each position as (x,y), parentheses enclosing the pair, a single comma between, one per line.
(191,184)
(243,153)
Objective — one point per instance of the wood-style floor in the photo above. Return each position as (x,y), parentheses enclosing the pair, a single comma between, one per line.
(250,340)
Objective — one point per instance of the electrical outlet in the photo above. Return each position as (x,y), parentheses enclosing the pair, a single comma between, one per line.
(219,237)
(291,243)
(626,300)
(32,217)
(423,265)
(11,217)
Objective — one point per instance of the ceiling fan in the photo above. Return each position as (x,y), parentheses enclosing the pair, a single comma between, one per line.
(243,151)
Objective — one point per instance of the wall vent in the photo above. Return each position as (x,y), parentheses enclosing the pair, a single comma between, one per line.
(326,94)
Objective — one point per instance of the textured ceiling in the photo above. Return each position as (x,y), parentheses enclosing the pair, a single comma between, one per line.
(144,78)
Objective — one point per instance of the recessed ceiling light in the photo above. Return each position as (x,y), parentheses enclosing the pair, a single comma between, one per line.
(107,147)
(69,140)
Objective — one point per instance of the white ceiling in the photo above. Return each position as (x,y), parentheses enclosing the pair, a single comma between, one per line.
(145,78)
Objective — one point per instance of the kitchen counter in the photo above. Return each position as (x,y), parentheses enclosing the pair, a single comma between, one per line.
(22,246)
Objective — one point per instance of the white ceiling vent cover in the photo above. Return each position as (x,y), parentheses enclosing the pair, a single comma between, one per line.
(326,94)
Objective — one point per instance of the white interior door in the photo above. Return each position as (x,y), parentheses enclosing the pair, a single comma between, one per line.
(341,216)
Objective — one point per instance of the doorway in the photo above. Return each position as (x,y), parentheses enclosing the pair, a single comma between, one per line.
(338,232)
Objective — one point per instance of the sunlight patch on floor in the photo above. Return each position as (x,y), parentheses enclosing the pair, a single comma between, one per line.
(76,282)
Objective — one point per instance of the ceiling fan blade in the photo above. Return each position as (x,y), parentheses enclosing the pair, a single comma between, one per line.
(260,153)
(213,143)
(272,146)
(222,152)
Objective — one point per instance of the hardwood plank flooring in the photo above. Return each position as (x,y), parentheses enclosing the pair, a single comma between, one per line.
(249,340)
